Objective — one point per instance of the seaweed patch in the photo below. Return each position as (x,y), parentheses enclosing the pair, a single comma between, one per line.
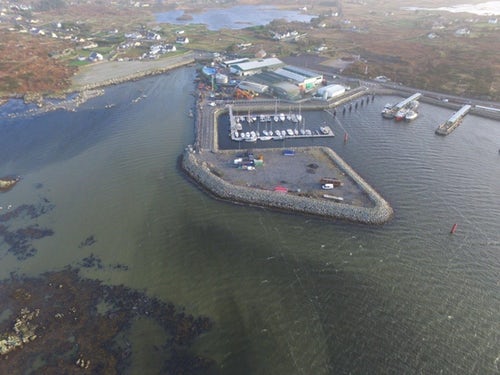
(20,240)
(75,323)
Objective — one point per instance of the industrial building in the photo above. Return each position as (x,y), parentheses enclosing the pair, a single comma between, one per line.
(272,76)
(256,66)
(330,91)
(306,80)
(228,63)
(278,86)
(253,86)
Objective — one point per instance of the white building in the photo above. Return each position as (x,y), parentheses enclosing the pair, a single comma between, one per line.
(305,79)
(256,66)
(331,91)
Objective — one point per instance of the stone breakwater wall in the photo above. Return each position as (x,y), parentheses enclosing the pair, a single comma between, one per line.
(200,171)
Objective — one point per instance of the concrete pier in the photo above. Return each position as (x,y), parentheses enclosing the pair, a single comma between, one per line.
(407,101)
(452,123)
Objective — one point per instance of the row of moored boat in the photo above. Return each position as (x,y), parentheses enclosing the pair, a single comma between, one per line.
(266,135)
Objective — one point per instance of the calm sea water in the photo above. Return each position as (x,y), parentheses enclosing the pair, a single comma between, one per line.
(489,8)
(237,17)
(288,294)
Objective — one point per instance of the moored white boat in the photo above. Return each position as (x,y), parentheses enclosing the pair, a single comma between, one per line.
(252,137)
(411,115)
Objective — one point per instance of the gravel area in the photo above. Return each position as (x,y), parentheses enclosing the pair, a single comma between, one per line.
(107,73)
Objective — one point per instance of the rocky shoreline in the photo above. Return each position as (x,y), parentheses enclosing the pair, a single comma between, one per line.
(199,170)
(90,82)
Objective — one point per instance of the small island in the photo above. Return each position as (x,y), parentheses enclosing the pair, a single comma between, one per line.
(7,183)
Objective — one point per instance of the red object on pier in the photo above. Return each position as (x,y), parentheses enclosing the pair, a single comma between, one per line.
(281,189)
(453,228)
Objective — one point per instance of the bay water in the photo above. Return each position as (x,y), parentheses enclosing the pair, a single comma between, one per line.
(288,294)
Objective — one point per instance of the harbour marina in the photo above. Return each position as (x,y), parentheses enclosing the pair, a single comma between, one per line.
(276,178)
(257,120)
(266,127)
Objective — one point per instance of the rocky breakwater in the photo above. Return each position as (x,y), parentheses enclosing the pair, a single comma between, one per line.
(201,172)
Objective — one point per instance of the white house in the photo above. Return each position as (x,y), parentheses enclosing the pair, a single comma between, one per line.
(95,56)
(182,40)
(462,32)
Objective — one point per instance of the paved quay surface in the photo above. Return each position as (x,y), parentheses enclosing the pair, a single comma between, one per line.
(300,174)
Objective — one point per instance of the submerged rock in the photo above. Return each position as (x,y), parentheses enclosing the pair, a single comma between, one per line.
(75,323)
